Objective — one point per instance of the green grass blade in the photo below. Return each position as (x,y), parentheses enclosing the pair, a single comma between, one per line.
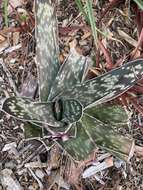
(139,3)
(82,9)
(92,20)
(89,16)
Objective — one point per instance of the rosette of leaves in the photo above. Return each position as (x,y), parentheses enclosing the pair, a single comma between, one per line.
(71,106)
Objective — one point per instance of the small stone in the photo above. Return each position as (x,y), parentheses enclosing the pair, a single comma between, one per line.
(9,146)
(30,187)
(1,79)
(39,174)
(8,180)
(0,165)
(10,165)
(12,61)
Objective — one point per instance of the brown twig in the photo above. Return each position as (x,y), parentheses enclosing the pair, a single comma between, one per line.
(9,76)
(109,63)
(140,42)
(110,6)
(136,105)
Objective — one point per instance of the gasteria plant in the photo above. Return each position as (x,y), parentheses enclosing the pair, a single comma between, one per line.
(71,107)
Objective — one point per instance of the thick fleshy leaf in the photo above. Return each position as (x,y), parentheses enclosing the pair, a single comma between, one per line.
(92,133)
(80,146)
(105,137)
(108,86)
(113,114)
(47,46)
(31,130)
(25,109)
(72,111)
(29,87)
(71,72)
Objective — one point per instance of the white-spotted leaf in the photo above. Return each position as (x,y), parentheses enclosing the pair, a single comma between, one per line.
(47,46)
(71,72)
(92,133)
(111,114)
(108,86)
(27,110)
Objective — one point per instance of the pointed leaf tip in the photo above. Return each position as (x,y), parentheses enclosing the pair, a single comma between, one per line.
(108,86)
(72,72)
(41,112)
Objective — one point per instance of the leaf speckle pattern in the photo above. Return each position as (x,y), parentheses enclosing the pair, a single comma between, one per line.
(71,72)
(72,111)
(47,47)
(108,86)
(64,95)
(25,109)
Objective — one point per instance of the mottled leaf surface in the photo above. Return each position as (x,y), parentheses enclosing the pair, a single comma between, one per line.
(92,133)
(72,71)
(29,87)
(25,109)
(31,130)
(108,86)
(47,46)
(72,111)
(80,146)
(109,113)
(105,137)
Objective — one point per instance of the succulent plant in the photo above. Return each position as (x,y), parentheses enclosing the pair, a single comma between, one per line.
(72,107)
